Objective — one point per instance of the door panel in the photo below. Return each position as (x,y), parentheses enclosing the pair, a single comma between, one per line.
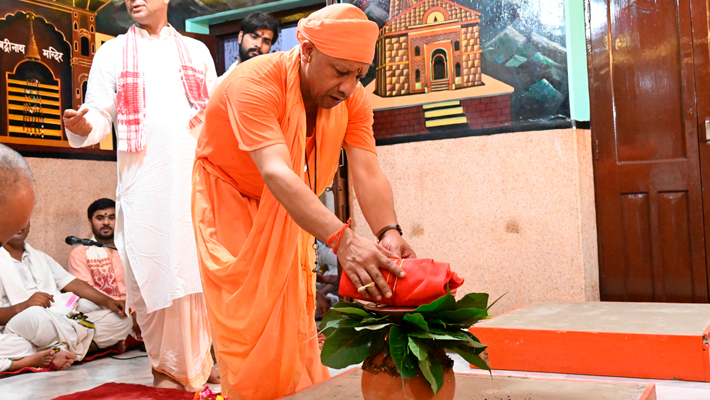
(674,227)
(636,222)
(647,175)
(646,56)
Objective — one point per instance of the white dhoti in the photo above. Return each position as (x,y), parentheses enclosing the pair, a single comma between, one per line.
(47,329)
(13,347)
(110,328)
(177,338)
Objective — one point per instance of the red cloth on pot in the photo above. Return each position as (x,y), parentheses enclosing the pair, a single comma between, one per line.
(425,281)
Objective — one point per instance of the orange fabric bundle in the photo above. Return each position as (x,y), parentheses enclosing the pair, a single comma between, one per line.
(426,280)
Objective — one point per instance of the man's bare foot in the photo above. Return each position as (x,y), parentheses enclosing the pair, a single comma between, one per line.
(40,359)
(214,376)
(160,380)
(63,360)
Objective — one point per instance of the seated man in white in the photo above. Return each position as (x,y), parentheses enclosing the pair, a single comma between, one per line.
(17,352)
(43,303)
(17,194)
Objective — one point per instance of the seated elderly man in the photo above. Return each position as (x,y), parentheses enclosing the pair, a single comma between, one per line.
(17,194)
(46,305)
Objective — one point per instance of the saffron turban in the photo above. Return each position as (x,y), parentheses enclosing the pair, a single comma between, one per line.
(340,31)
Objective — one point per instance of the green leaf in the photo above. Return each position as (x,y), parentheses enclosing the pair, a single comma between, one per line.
(374,320)
(473,358)
(452,345)
(501,296)
(378,342)
(331,320)
(417,320)
(469,334)
(417,348)
(464,336)
(330,316)
(353,312)
(437,371)
(344,304)
(446,302)
(430,335)
(345,347)
(465,316)
(398,348)
(372,327)
(437,322)
(473,300)
(428,365)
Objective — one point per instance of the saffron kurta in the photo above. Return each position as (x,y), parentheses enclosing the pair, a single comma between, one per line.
(154,232)
(255,260)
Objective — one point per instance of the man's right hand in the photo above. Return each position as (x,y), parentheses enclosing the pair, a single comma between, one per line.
(76,121)
(362,259)
(38,299)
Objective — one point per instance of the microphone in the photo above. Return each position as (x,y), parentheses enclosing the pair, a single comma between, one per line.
(73,241)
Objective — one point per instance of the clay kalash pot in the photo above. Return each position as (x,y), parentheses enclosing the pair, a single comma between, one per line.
(381,380)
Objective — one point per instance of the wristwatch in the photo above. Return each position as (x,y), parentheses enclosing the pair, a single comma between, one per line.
(387,228)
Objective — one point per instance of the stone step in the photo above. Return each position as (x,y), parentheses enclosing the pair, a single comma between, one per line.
(634,340)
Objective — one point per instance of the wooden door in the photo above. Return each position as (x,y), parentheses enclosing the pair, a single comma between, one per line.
(701,50)
(645,136)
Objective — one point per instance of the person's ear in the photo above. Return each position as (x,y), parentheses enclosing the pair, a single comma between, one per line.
(307,51)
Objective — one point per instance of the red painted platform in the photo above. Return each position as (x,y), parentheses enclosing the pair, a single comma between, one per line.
(635,340)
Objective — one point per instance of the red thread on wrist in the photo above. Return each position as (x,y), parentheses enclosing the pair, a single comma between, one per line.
(338,235)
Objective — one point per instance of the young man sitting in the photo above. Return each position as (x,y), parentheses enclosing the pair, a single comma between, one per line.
(101,267)
(39,301)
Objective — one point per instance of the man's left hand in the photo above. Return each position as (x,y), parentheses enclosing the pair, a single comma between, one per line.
(395,243)
(117,306)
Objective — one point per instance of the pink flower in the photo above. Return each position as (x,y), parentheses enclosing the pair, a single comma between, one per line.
(207,394)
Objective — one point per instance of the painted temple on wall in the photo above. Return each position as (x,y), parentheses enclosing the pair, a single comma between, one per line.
(46,52)
(429,72)
(429,46)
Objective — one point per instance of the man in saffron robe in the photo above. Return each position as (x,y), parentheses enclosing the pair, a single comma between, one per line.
(270,144)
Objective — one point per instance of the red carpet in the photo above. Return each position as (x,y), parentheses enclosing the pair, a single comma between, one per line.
(126,391)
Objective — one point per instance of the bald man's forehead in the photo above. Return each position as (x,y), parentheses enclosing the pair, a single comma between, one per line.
(15,211)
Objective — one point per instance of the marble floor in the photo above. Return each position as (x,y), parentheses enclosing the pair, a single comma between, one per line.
(134,367)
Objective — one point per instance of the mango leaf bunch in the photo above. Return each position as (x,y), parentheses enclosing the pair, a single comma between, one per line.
(353,333)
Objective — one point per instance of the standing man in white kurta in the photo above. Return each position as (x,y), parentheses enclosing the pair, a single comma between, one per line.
(152,84)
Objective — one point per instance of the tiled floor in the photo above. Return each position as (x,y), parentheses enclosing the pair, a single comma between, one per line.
(135,368)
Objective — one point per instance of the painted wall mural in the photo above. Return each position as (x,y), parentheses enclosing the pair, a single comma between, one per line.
(453,64)
(46,51)
(441,65)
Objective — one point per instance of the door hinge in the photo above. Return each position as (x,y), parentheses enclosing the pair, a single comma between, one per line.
(595,149)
